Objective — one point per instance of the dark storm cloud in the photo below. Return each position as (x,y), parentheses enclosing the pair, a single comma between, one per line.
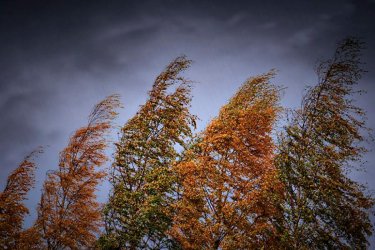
(58,58)
(49,53)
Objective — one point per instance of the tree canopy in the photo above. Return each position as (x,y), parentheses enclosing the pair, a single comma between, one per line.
(139,211)
(323,207)
(241,183)
(68,214)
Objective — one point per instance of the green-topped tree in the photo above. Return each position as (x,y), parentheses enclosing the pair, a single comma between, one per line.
(139,210)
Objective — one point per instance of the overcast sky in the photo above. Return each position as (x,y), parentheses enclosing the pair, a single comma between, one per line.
(59,58)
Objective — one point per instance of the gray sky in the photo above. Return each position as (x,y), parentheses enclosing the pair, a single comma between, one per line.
(59,58)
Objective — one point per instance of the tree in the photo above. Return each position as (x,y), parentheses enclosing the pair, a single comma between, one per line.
(228,180)
(12,208)
(139,209)
(68,214)
(323,207)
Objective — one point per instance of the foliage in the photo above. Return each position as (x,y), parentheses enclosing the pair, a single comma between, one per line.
(68,214)
(12,208)
(229,187)
(228,178)
(139,212)
(323,208)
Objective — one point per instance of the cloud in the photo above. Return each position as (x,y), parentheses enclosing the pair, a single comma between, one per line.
(58,59)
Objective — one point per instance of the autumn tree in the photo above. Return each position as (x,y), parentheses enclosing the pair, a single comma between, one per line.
(323,207)
(228,179)
(12,208)
(68,214)
(139,209)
